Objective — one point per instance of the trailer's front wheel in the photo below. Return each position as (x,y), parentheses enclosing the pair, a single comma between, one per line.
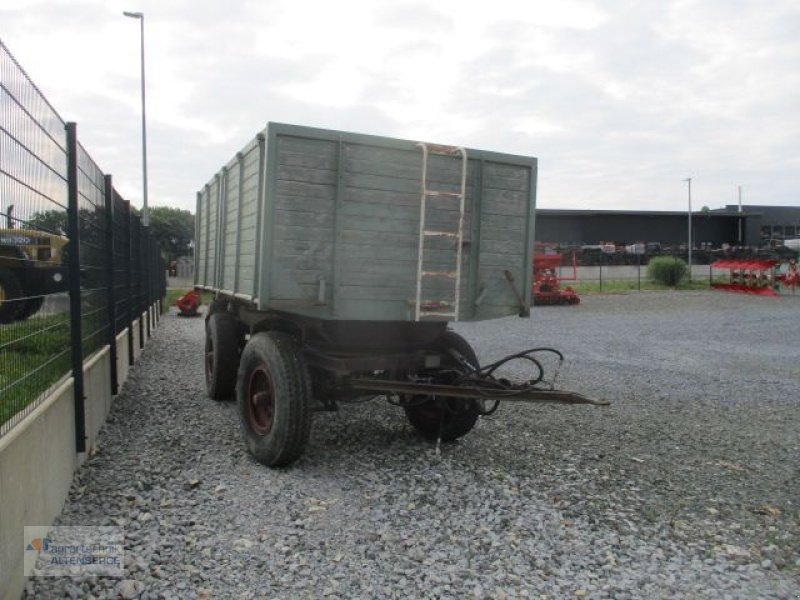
(450,418)
(274,396)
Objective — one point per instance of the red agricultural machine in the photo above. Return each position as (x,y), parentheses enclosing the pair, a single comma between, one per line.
(188,304)
(547,281)
(757,276)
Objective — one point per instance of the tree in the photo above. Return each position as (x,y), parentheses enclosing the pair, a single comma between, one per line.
(173,228)
(52,221)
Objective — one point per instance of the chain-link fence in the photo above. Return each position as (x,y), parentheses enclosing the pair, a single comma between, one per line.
(76,266)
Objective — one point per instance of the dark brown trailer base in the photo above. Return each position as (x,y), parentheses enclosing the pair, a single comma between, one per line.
(282,367)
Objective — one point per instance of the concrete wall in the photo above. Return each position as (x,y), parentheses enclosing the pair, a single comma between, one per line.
(38,458)
(97,389)
(122,356)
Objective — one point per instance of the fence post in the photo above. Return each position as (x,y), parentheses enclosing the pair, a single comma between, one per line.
(129,281)
(144,252)
(112,312)
(638,271)
(74,278)
(601,273)
(139,273)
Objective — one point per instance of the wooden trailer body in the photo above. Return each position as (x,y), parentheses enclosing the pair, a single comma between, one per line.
(327,225)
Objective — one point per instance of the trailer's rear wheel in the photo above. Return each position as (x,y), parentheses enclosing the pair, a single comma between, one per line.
(451,418)
(10,291)
(223,344)
(274,396)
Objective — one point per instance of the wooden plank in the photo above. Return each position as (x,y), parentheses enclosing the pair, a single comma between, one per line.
(512,246)
(382,197)
(307,147)
(444,208)
(302,233)
(294,159)
(438,170)
(303,204)
(305,190)
(506,177)
(381,183)
(516,207)
(306,175)
(377,250)
(508,229)
(302,247)
(300,218)
(501,259)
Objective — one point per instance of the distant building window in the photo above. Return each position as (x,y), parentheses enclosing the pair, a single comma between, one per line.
(777,232)
(789,231)
(766,232)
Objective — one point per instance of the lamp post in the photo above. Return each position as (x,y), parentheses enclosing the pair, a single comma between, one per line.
(145,214)
(689,181)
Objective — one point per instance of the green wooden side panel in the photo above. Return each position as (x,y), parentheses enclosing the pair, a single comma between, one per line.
(330,227)
(213,239)
(199,236)
(248,244)
(231,221)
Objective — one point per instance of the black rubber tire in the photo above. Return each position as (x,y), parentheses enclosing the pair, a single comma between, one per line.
(30,307)
(273,365)
(460,415)
(10,291)
(215,306)
(222,349)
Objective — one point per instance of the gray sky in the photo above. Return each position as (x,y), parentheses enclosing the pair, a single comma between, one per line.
(620,100)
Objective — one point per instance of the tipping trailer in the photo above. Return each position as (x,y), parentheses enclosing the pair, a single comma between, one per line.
(337,260)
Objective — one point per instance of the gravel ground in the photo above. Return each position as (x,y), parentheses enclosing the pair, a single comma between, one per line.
(687,486)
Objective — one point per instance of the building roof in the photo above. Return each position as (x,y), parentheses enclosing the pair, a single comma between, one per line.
(719,212)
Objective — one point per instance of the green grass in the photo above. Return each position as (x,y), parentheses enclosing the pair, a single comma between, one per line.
(35,355)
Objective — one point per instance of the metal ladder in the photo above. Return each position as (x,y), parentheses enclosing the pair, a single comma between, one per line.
(420,310)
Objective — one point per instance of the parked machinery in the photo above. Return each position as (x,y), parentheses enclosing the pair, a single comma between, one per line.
(750,276)
(547,280)
(32,265)
(337,260)
(188,304)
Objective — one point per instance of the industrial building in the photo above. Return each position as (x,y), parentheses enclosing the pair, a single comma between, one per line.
(753,226)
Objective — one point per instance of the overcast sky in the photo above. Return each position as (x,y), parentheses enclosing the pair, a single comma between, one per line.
(620,100)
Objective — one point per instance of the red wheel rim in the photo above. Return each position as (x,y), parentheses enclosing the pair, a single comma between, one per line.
(260,401)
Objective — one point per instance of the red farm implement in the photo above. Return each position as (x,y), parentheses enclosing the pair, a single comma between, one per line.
(749,276)
(791,278)
(188,304)
(547,281)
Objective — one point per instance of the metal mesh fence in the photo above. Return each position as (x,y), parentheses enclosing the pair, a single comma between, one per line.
(94,254)
(76,265)
(34,317)
(122,272)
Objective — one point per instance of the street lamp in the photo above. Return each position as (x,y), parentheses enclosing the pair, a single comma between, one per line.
(145,214)
(689,181)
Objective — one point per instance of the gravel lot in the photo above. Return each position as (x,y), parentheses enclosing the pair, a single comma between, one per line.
(687,486)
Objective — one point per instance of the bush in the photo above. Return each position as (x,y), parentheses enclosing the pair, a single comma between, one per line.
(667,270)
